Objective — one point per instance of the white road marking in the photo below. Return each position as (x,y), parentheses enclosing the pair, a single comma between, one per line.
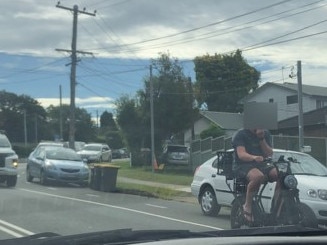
(52,188)
(156,206)
(14,229)
(122,208)
(91,195)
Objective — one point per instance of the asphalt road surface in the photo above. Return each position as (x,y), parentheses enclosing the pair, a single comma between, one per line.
(31,208)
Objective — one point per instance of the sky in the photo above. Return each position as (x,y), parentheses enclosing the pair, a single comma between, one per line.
(125,35)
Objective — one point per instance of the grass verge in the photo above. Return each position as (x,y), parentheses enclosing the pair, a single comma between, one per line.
(149,191)
(170,175)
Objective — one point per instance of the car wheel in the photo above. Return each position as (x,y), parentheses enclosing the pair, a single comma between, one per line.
(208,202)
(11,181)
(43,178)
(29,177)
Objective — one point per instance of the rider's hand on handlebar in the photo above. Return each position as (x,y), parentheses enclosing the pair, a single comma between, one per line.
(258,159)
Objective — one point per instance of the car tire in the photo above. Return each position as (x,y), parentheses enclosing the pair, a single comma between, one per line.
(43,178)
(11,181)
(29,177)
(208,202)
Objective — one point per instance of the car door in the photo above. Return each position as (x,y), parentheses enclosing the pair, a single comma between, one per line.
(33,162)
(39,162)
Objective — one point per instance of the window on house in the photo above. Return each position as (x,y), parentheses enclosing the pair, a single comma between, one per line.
(292,99)
(271,100)
(321,103)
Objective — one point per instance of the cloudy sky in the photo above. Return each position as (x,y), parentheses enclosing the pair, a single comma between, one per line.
(125,35)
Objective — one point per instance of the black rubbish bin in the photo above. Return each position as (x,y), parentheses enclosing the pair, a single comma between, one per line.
(95,181)
(108,177)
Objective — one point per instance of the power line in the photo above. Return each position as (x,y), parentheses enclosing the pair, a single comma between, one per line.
(212,24)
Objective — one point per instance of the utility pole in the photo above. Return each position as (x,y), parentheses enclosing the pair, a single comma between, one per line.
(152,120)
(60,113)
(73,52)
(299,83)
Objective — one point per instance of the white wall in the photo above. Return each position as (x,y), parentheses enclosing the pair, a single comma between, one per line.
(279,96)
(199,126)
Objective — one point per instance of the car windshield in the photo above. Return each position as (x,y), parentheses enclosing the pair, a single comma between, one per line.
(177,149)
(62,154)
(4,142)
(113,112)
(303,164)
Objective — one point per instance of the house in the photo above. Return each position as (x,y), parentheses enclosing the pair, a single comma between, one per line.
(286,97)
(314,124)
(230,122)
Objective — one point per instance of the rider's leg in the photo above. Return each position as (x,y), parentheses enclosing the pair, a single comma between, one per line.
(273,177)
(255,179)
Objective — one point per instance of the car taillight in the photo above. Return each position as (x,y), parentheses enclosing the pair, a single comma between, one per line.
(196,170)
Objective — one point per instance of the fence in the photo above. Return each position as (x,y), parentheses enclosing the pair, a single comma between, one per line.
(202,150)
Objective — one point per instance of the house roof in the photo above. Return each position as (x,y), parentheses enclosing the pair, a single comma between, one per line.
(314,117)
(225,120)
(310,90)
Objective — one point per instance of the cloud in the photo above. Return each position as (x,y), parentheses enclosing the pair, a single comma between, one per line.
(86,103)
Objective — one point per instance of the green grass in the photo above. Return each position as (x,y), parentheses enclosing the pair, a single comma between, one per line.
(171,174)
(149,191)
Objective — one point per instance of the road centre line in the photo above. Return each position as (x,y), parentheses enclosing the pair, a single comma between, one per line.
(13,230)
(156,206)
(121,208)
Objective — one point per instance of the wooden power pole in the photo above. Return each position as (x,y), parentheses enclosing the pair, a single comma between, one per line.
(73,52)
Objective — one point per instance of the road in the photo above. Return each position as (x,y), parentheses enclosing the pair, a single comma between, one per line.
(31,208)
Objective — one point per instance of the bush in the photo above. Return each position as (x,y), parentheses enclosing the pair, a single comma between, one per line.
(23,151)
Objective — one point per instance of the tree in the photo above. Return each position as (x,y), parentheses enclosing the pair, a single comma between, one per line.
(85,128)
(107,121)
(173,100)
(130,122)
(109,132)
(18,112)
(222,80)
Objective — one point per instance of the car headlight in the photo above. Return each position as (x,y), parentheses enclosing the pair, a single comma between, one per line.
(312,193)
(15,163)
(49,165)
(322,194)
(85,168)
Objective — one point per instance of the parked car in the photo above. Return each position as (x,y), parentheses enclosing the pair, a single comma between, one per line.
(59,164)
(96,152)
(212,191)
(79,145)
(8,162)
(176,155)
(119,153)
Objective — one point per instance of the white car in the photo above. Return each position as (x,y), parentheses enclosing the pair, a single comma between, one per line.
(212,191)
(96,152)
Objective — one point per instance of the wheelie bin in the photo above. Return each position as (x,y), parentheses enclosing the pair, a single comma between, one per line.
(108,177)
(95,180)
